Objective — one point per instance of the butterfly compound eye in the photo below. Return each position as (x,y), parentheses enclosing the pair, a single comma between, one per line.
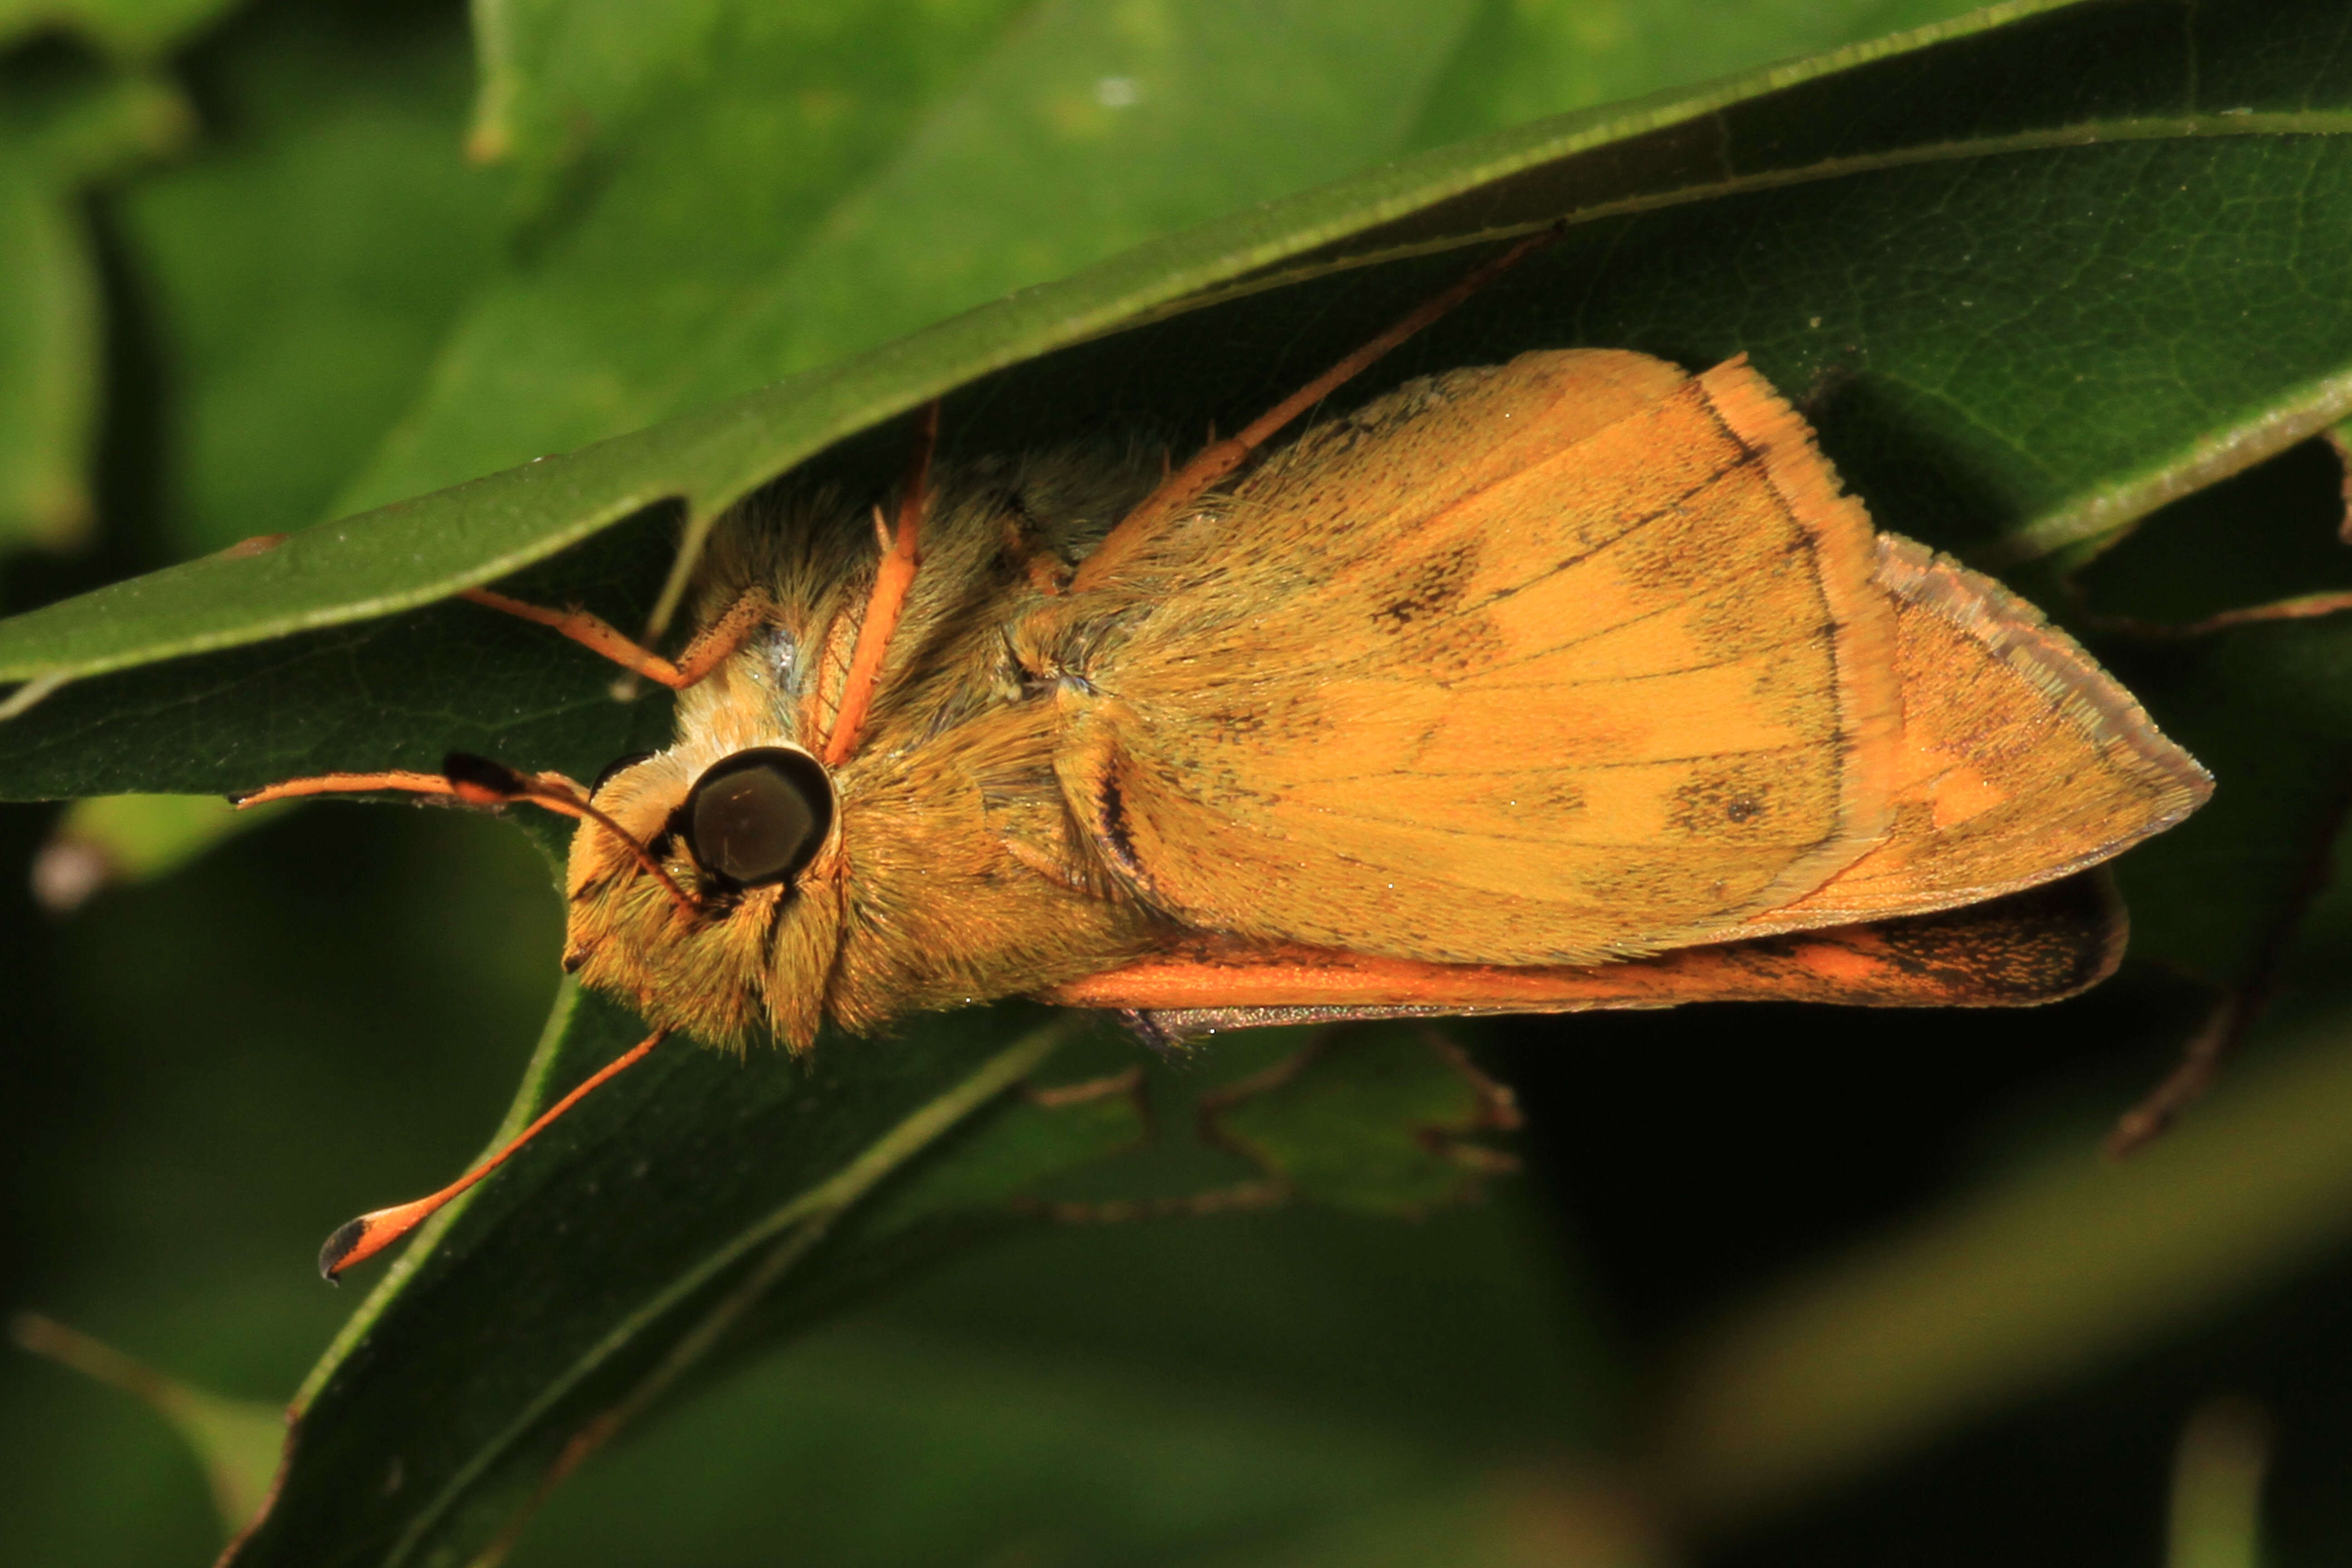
(759,815)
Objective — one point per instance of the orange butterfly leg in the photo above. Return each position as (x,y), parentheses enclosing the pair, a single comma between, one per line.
(710,648)
(372,1233)
(1219,459)
(2036,946)
(896,575)
(715,644)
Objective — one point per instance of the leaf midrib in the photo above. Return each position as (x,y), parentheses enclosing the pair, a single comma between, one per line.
(816,1206)
(1139,287)
(2328,123)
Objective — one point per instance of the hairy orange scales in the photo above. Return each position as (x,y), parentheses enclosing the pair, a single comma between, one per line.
(1562,661)
(1631,674)
(1573,682)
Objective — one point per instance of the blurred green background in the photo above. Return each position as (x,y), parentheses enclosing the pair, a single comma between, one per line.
(1776,1288)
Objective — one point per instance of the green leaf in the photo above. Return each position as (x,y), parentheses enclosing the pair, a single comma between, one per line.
(2030,281)
(237,1441)
(400,692)
(1521,59)
(667,1214)
(2266,708)
(557,75)
(105,840)
(866,1446)
(2261,702)
(74,120)
(1379,1121)
(879,1446)
(135,28)
(305,264)
(971,120)
(1939,238)
(1308,1307)
(59,129)
(827,137)
(2062,1263)
(48,367)
(704,1208)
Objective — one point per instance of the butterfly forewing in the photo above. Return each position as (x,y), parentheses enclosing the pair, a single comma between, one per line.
(1616,692)
(2020,759)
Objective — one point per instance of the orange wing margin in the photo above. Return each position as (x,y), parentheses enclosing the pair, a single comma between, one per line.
(2019,760)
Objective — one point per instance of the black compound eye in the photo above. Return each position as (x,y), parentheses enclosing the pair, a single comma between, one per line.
(758,816)
(617,765)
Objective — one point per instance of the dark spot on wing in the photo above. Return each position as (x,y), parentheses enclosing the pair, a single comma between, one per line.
(1559,797)
(1674,552)
(1233,723)
(1736,800)
(1451,648)
(1426,588)
(1110,811)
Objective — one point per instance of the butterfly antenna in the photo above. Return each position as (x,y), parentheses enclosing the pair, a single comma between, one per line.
(895,576)
(371,1233)
(477,781)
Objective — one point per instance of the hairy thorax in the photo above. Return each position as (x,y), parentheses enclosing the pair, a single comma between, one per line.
(954,871)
